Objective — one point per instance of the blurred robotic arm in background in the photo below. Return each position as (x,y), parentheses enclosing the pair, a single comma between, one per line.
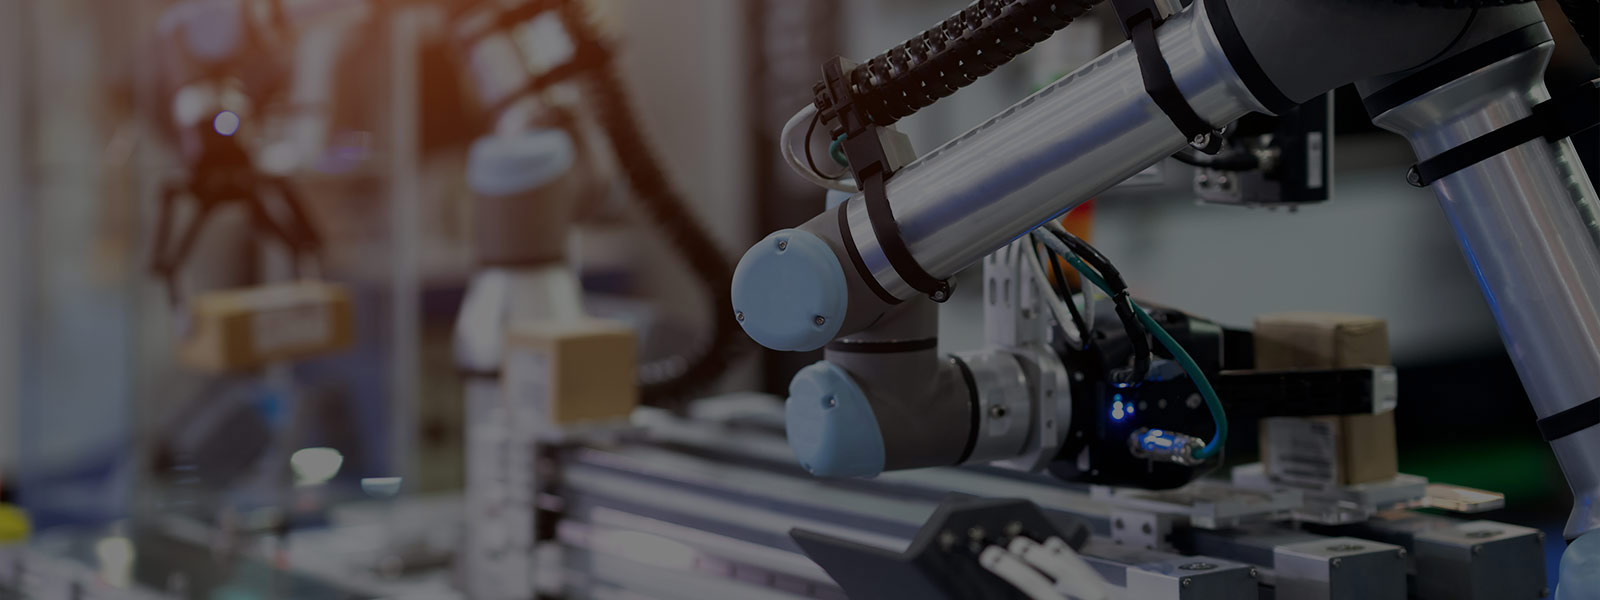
(540,73)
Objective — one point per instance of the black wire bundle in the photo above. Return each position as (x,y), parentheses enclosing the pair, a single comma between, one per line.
(1064,293)
(1120,299)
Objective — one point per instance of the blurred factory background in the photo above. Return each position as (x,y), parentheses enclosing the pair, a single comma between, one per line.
(372,114)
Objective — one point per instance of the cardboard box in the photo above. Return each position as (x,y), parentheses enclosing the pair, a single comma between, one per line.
(249,328)
(1325,451)
(1316,340)
(565,373)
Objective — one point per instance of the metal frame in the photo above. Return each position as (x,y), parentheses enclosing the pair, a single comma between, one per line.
(725,490)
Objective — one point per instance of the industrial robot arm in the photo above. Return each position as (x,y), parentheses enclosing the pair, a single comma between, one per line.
(859,278)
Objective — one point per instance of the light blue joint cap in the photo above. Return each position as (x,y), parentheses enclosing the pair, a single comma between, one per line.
(789,292)
(831,427)
(508,164)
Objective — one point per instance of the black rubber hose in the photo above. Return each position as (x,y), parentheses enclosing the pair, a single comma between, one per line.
(956,52)
(676,379)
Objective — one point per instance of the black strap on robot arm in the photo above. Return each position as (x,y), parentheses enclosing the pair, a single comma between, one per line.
(1139,20)
(855,100)
(1553,119)
(870,164)
(1570,421)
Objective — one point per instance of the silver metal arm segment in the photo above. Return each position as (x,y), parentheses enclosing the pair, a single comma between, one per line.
(1037,160)
(1529,226)
(1527,218)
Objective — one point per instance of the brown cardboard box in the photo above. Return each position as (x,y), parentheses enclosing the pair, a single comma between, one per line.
(571,372)
(252,327)
(1323,451)
(1316,340)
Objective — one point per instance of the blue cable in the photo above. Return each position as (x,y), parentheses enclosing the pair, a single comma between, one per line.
(1190,367)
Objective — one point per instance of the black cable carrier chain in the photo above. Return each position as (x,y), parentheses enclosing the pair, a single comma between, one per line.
(854,100)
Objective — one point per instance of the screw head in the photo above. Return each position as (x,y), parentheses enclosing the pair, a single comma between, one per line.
(1476,550)
(1193,401)
(1117,523)
(1336,562)
(1253,573)
(997,411)
(1187,582)
(1401,554)
(739,315)
(1414,177)
(1145,528)
(940,296)
(783,245)
(1200,140)
(819,320)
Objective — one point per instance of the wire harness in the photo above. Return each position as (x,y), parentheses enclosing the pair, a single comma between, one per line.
(1054,236)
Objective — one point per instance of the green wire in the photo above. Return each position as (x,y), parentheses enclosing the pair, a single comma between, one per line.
(1187,362)
(836,150)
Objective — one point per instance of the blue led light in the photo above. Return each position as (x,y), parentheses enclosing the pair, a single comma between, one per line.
(1117,412)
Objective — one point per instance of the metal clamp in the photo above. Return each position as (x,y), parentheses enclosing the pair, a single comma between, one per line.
(1139,20)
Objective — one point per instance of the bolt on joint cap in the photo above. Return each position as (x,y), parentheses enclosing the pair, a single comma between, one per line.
(830,425)
(789,292)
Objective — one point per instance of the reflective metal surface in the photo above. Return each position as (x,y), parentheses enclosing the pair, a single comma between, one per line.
(1342,568)
(1004,411)
(1527,221)
(1048,153)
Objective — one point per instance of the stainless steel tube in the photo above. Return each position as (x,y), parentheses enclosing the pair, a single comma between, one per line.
(1048,153)
(1529,225)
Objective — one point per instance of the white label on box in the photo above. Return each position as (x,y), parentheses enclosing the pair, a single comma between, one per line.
(290,328)
(1302,452)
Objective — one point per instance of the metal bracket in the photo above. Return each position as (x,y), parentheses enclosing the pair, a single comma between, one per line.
(1141,529)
